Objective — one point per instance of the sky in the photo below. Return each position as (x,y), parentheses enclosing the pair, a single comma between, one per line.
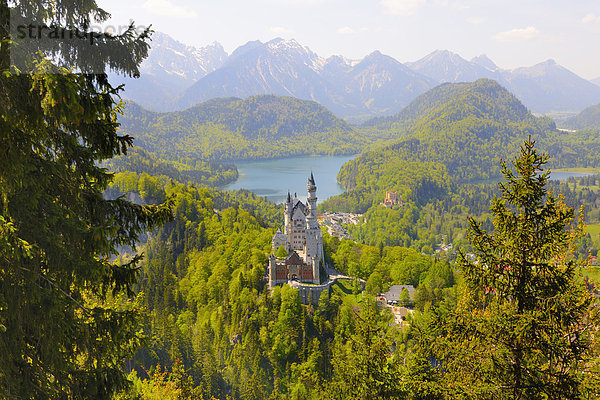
(512,33)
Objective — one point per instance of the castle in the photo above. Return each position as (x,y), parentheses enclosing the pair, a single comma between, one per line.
(302,240)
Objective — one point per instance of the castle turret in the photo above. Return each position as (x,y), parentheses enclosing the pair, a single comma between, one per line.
(272,270)
(311,218)
(315,271)
(287,211)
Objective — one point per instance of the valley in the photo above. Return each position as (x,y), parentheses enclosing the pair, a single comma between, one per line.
(205,272)
(260,221)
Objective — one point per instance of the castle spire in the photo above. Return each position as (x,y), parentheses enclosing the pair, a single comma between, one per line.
(311,180)
(289,197)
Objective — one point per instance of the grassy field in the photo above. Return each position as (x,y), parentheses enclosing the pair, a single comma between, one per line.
(593,274)
(593,230)
(581,170)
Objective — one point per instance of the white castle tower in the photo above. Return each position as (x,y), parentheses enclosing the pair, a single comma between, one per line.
(302,234)
(314,237)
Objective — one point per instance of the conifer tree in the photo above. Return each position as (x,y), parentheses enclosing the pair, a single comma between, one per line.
(364,366)
(522,329)
(59,337)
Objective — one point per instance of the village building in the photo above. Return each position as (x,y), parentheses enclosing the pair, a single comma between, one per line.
(302,240)
(392,296)
(391,199)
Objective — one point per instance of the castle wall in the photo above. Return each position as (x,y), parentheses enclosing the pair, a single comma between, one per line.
(310,294)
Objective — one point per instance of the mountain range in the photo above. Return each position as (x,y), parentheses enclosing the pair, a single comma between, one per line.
(544,87)
(170,68)
(176,76)
(376,85)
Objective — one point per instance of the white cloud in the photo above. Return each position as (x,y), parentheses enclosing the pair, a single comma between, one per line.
(517,35)
(299,2)
(475,20)
(346,30)
(591,17)
(401,7)
(280,30)
(166,8)
(458,5)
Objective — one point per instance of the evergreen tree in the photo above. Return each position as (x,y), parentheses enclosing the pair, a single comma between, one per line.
(522,329)
(62,333)
(364,367)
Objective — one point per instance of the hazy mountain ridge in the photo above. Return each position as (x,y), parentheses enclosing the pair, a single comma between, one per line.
(170,68)
(276,67)
(445,66)
(548,86)
(176,76)
(484,61)
(375,85)
(543,87)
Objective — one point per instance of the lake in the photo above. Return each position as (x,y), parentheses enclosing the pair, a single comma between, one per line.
(561,176)
(554,176)
(273,178)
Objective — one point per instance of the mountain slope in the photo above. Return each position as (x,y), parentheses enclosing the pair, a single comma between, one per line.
(548,86)
(484,61)
(445,66)
(472,97)
(170,68)
(588,119)
(378,84)
(465,126)
(233,129)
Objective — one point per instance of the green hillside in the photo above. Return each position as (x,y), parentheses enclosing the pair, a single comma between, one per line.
(208,173)
(472,96)
(451,141)
(588,119)
(467,127)
(228,129)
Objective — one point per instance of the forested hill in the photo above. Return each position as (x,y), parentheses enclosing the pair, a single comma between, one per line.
(231,129)
(467,127)
(482,98)
(457,137)
(588,119)
(453,134)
